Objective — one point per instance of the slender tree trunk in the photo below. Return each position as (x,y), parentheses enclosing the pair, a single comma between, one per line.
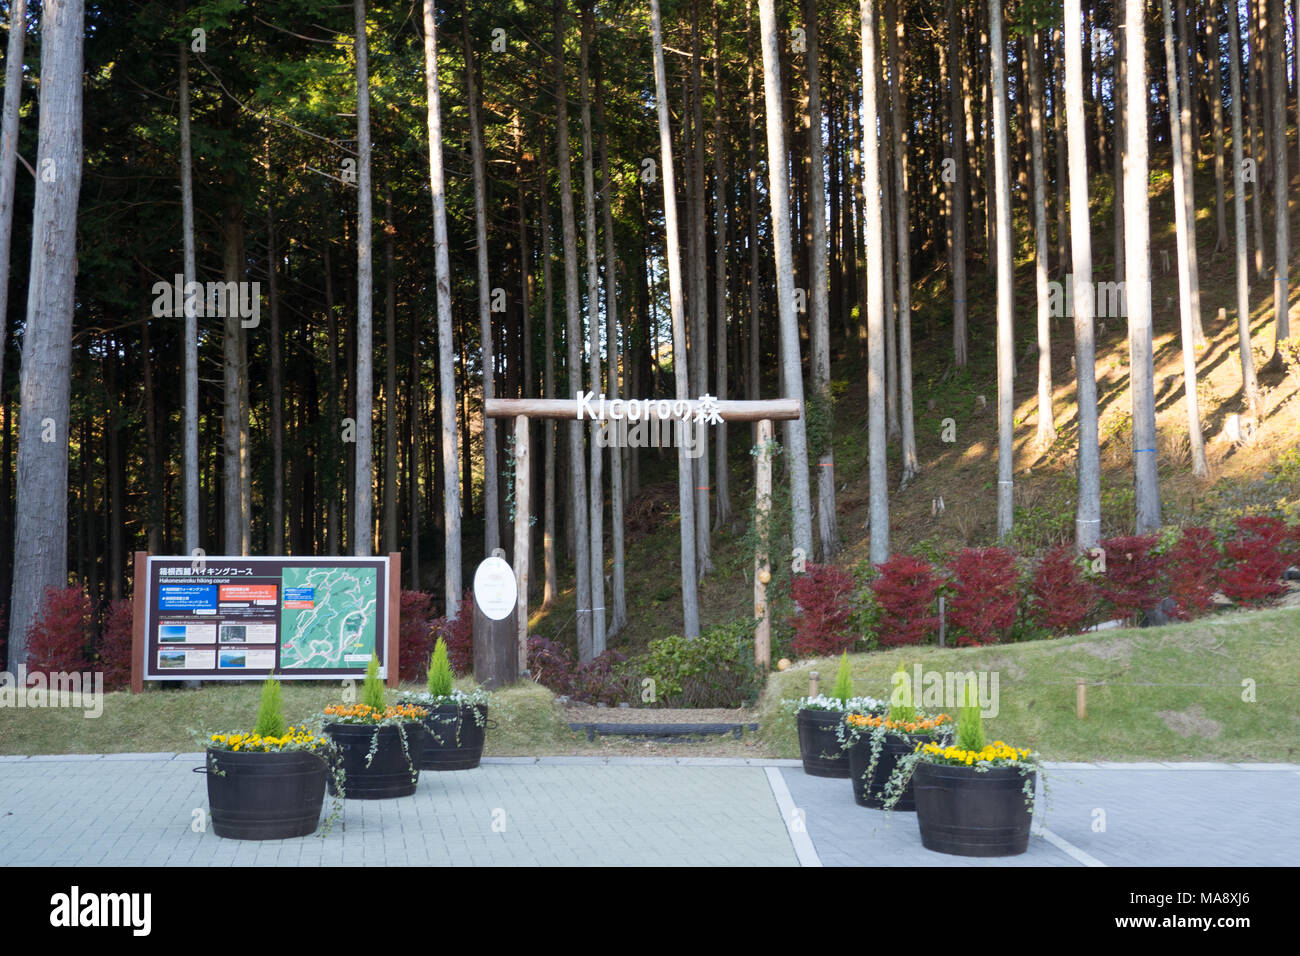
(1062,176)
(618,615)
(9,154)
(1199,467)
(596,498)
(699,298)
(958,188)
(1281,181)
(577,475)
(415,412)
(1005,274)
(446,345)
(232,228)
(391,542)
(1190,142)
(190,461)
(827,532)
(779,191)
(1117,85)
(685,496)
(720,337)
(1216,115)
(1046,415)
(491,503)
(902,229)
(888,190)
(1249,385)
(1137,241)
(363,481)
(878,478)
(1254,93)
(276,539)
(551,586)
(41,513)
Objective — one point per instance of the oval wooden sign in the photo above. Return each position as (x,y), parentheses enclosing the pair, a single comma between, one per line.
(495,589)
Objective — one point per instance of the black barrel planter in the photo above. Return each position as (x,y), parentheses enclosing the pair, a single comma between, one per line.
(453,736)
(892,748)
(389,774)
(965,812)
(265,796)
(819,747)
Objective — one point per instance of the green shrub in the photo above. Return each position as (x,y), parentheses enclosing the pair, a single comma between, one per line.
(843,687)
(970,728)
(440,675)
(716,669)
(372,688)
(270,712)
(901,708)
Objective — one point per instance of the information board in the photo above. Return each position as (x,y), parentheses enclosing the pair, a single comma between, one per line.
(241,618)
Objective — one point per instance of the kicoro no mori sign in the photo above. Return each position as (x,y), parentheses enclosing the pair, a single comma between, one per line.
(242,618)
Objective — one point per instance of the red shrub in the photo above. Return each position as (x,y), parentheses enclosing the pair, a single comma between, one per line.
(905,591)
(983,604)
(1063,597)
(549,664)
(1134,574)
(415,635)
(114,650)
(63,632)
(1256,555)
(459,635)
(1193,571)
(824,595)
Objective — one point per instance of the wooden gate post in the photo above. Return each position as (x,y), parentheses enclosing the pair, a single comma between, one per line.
(393,653)
(523,517)
(140,590)
(762,574)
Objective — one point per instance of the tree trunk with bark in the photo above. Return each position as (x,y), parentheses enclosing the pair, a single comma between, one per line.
(1199,467)
(1137,240)
(1249,384)
(446,345)
(685,493)
(41,512)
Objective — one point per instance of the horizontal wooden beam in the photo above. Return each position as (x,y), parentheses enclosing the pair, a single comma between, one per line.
(775,409)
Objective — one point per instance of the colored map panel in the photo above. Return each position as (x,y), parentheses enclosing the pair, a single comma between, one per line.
(187,597)
(336,627)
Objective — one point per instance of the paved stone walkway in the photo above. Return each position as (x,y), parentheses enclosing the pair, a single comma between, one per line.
(150,809)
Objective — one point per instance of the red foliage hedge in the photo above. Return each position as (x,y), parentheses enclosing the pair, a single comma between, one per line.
(114,649)
(1134,574)
(983,603)
(1256,555)
(63,632)
(415,633)
(459,635)
(905,591)
(825,596)
(1193,571)
(1062,597)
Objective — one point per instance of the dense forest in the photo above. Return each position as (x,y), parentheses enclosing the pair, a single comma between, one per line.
(395,211)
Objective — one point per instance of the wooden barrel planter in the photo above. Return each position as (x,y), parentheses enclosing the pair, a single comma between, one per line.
(819,747)
(389,773)
(265,796)
(966,812)
(453,736)
(871,793)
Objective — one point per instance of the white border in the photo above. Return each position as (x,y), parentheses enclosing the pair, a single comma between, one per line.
(147,673)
